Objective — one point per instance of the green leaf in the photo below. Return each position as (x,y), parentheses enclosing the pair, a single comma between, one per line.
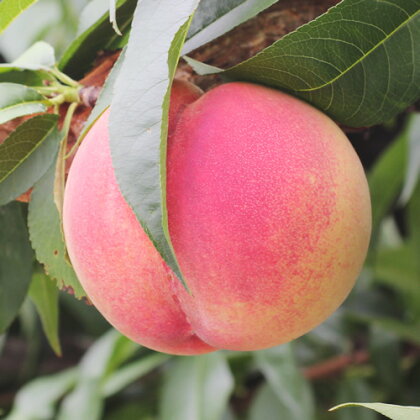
(37,57)
(18,100)
(24,141)
(266,405)
(37,399)
(413,165)
(196,388)
(359,62)
(140,105)
(46,235)
(31,67)
(215,18)
(31,169)
(15,262)
(131,372)
(286,381)
(414,226)
(398,268)
(78,58)
(44,294)
(385,350)
(386,180)
(394,412)
(87,398)
(10,10)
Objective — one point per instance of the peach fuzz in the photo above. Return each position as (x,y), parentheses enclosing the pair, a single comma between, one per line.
(269,215)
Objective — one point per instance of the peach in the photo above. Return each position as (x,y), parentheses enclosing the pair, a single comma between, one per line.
(269,215)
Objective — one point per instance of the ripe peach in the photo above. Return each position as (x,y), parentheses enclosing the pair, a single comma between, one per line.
(269,215)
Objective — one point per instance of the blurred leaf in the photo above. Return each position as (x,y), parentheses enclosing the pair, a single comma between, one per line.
(99,362)
(139,410)
(354,389)
(229,415)
(404,330)
(140,104)
(413,166)
(46,235)
(37,399)
(10,10)
(31,169)
(266,405)
(348,62)
(287,382)
(386,180)
(39,56)
(131,372)
(414,227)
(86,399)
(18,100)
(31,67)
(22,142)
(394,412)
(331,333)
(78,58)
(15,262)
(122,350)
(398,269)
(196,387)
(44,294)
(214,18)
(30,331)
(385,355)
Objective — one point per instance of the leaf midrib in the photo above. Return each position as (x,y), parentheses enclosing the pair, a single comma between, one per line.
(361,58)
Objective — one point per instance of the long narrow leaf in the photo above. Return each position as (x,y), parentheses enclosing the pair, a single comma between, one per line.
(140,105)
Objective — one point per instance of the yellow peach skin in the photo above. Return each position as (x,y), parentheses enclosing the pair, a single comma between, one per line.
(269,215)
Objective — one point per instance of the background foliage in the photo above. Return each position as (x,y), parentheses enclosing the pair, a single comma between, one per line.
(369,350)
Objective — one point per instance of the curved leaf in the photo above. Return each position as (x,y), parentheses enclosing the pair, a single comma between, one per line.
(140,105)
(294,396)
(359,62)
(46,235)
(394,412)
(44,294)
(196,388)
(23,154)
(37,399)
(17,100)
(30,170)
